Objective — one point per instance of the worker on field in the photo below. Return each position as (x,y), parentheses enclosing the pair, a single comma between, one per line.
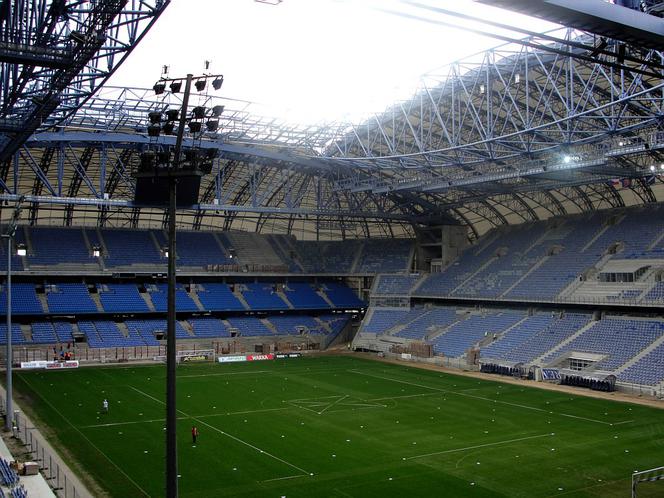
(104,405)
(194,434)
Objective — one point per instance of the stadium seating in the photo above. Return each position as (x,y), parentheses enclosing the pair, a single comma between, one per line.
(395,285)
(56,246)
(249,326)
(649,370)
(208,327)
(303,296)
(262,296)
(341,295)
(17,334)
(130,248)
(43,333)
(159,296)
(148,329)
(619,339)
(69,298)
(385,255)
(121,298)
(200,249)
(292,324)
(464,334)
(217,297)
(24,300)
(422,322)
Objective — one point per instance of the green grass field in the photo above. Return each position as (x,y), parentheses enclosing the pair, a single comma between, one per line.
(346,427)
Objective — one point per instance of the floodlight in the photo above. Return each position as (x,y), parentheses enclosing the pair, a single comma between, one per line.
(652,167)
(96,252)
(194,126)
(155,117)
(154,130)
(21,250)
(212,125)
(661,166)
(200,85)
(217,110)
(168,128)
(176,86)
(517,78)
(172,114)
(198,112)
(148,161)
(217,82)
(164,157)
(159,88)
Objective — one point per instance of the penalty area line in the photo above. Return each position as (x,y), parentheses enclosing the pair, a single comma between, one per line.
(235,438)
(456,450)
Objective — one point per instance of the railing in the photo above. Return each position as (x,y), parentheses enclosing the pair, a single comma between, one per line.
(57,475)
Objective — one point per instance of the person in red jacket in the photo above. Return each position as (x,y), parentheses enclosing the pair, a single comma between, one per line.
(194,434)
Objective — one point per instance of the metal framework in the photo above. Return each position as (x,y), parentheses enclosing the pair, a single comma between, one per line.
(525,131)
(55,54)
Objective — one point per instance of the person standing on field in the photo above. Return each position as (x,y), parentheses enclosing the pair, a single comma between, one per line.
(194,434)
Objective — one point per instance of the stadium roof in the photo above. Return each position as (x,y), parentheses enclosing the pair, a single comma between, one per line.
(546,125)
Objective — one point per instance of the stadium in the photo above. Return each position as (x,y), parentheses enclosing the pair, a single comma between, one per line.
(456,293)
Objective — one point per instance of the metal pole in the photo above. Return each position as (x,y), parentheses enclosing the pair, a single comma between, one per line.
(171,410)
(9,408)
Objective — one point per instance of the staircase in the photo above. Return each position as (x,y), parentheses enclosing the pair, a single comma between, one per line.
(148,300)
(95,298)
(523,277)
(440,331)
(560,345)
(283,296)
(26,330)
(240,298)
(43,301)
(194,297)
(472,276)
(640,355)
(187,327)
(122,327)
(272,328)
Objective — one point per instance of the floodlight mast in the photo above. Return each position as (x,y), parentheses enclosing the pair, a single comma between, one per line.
(171,407)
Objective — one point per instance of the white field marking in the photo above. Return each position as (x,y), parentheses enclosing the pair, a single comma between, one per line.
(314,400)
(88,440)
(244,412)
(480,446)
(584,418)
(131,422)
(400,397)
(226,373)
(305,408)
(224,433)
(458,393)
(623,422)
(332,404)
(284,478)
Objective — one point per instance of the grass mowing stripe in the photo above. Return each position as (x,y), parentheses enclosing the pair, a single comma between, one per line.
(224,433)
(488,399)
(85,437)
(479,446)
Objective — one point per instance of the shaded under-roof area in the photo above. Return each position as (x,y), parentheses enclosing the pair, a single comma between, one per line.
(551,124)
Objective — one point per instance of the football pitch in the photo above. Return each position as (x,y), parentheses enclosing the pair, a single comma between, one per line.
(342,426)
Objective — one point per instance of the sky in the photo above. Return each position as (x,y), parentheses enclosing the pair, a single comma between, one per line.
(308,61)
